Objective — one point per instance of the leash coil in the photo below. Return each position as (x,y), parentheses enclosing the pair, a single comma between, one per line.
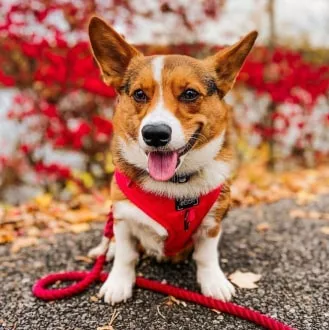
(84,279)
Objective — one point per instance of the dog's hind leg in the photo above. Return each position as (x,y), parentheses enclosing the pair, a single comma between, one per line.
(105,246)
(210,276)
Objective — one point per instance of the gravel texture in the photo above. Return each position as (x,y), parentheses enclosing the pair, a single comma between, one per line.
(292,257)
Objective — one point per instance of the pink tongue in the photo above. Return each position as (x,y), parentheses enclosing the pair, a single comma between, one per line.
(162,165)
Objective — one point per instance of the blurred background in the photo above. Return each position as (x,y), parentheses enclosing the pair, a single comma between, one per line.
(55,112)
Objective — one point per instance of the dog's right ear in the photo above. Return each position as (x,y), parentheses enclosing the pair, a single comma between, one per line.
(111,51)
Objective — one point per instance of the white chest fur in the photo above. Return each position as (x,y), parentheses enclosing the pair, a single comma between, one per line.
(147,231)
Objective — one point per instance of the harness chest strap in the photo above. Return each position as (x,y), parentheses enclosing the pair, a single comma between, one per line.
(180,218)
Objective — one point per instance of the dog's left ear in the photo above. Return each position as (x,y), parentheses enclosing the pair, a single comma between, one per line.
(112,53)
(228,61)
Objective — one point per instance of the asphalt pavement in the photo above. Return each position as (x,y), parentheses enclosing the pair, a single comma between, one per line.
(291,256)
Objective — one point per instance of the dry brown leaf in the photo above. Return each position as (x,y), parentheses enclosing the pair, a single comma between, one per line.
(23,242)
(109,326)
(245,280)
(85,259)
(79,228)
(2,214)
(254,183)
(79,216)
(262,227)
(301,214)
(314,215)
(6,236)
(43,201)
(325,230)
(44,216)
(33,231)
(105,327)
(304,198)
(297,214)
(171,300)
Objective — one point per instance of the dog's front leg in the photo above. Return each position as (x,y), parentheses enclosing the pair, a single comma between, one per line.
(209,274)
(118,286)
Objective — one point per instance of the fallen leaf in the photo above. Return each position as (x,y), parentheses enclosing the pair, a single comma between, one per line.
(245,280)
(105,327)
(44,200)
(109,325)
(85,259)
(262,227)
(314,215)
(6,236)
(79,228)
(33,231)
(23,242)
(2,214)
(77,216)
(171,300)
(303,198)
(301,214)
(297,214)
(325,230)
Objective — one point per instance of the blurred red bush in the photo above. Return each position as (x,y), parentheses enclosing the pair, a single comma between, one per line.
(63,104)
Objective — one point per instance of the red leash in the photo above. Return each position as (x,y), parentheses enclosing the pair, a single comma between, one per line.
(85,279)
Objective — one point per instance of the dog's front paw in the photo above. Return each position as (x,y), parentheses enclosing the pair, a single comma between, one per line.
(214,284)
(118,287)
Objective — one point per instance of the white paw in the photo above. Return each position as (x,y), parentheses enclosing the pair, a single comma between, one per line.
(118,286)
(96,251)
(110,251)
(105,246)
(214,284)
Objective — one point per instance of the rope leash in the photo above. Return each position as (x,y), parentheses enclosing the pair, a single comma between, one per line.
(85,279)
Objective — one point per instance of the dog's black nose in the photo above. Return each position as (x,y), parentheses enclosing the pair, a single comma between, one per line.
(156,135)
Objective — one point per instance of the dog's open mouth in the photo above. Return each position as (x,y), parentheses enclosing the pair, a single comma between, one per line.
(162,164)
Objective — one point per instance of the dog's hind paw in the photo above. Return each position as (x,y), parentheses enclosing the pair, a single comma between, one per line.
(105,246)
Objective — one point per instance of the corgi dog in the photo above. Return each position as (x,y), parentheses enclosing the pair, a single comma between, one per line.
(171,150)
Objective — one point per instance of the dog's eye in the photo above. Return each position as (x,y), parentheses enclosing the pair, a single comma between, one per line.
(189,95)
(140,96)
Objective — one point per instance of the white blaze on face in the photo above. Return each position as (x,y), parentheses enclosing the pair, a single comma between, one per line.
(161,115)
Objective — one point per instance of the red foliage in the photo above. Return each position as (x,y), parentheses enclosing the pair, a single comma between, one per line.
(282,73)
(55,171)
(61,86)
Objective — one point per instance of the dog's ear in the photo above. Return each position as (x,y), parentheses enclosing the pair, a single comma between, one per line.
(228,61)
(111,51)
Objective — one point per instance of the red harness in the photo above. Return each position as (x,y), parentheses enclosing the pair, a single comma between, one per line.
(85,279)
(180,218)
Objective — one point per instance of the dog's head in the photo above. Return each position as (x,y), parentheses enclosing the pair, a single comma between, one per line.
(170,115)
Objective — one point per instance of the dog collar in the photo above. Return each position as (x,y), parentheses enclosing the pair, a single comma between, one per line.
(181,178)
